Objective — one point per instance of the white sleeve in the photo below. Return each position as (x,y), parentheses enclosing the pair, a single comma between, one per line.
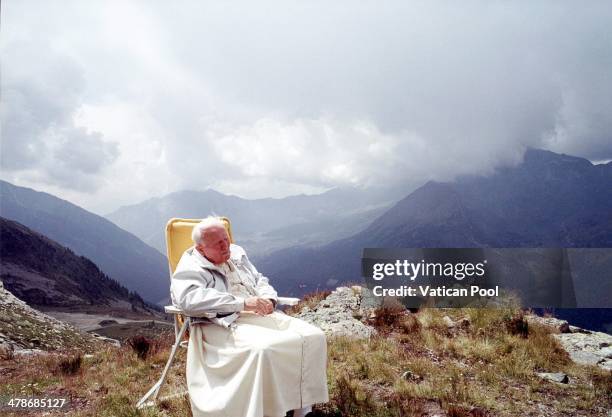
(192,292)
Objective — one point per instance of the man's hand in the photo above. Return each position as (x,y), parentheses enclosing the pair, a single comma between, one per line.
(259,306)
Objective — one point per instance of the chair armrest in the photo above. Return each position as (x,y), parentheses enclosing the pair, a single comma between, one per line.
(176,310)
(288,301)
(173,310)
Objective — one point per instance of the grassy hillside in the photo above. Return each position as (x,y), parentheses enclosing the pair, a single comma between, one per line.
(416,366)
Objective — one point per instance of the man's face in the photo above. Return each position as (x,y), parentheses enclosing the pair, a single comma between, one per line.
(215,245)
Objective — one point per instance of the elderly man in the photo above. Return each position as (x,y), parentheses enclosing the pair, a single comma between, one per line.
(248,360)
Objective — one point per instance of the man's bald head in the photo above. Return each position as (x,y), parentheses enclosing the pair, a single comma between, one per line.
(211,240)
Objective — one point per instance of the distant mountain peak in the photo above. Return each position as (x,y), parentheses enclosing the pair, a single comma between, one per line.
(538,157)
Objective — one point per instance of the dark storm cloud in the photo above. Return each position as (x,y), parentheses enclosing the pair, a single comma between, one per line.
(274,98)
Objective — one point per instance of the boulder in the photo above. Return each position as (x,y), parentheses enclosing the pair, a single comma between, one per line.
(556,325)
(592,348)
(336,314)
(582,357)
(113,342)
(558,377)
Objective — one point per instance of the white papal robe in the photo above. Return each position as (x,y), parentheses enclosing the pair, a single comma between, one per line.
(255,366)
(264,366)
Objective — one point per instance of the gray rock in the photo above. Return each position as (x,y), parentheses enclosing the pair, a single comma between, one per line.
(583,357)
(368,300)
(335,315)
(29,352)
(411,376)
(587,348)
(607,365)
(552,323)
(606,352)
(558,377)
(113,342)
(448,321)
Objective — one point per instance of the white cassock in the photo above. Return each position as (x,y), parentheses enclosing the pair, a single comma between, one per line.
(260,365)
(265,366)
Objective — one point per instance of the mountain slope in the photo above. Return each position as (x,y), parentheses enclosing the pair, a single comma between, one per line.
(549,200)
(21,326)
(47,275)
(262,225)
(118,253)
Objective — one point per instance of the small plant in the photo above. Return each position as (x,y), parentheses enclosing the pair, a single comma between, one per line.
(602,383)
(141,345)
(457,411)
(70,365)
(410,324)
(388,318)
(348,400)
(7,352)
(310,300)
(518,326)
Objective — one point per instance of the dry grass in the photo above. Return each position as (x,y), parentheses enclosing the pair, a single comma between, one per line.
(486,368)
(107,384)
(70,365)
(310,300)
(416,367)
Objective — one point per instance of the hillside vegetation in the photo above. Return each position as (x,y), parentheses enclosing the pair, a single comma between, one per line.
(49,276)
(484,364)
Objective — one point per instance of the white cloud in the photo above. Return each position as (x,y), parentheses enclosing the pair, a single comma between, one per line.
(275,98)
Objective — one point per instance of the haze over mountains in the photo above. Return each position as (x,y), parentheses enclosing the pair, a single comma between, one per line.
(49,276)
(263,225)
(119,254)
(309,242)
(549,200)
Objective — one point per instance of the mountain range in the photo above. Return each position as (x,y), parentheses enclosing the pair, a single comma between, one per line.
(309,242)
(548,200)
(49,276)
(263,225)
(121,255)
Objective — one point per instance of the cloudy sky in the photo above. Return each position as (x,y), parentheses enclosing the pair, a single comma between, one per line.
(109,103)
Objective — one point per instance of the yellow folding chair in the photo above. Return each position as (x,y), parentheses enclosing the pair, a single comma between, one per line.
(178,240)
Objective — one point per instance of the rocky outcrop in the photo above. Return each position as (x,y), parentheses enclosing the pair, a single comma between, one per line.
(339,313)
(555,325)
(24,329)
(588,348)
(343,312)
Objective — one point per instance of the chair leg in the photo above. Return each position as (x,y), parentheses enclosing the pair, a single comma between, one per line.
(154,391)
(177,328)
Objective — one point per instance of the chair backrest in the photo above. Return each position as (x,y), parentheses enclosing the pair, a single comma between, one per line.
(178,238)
